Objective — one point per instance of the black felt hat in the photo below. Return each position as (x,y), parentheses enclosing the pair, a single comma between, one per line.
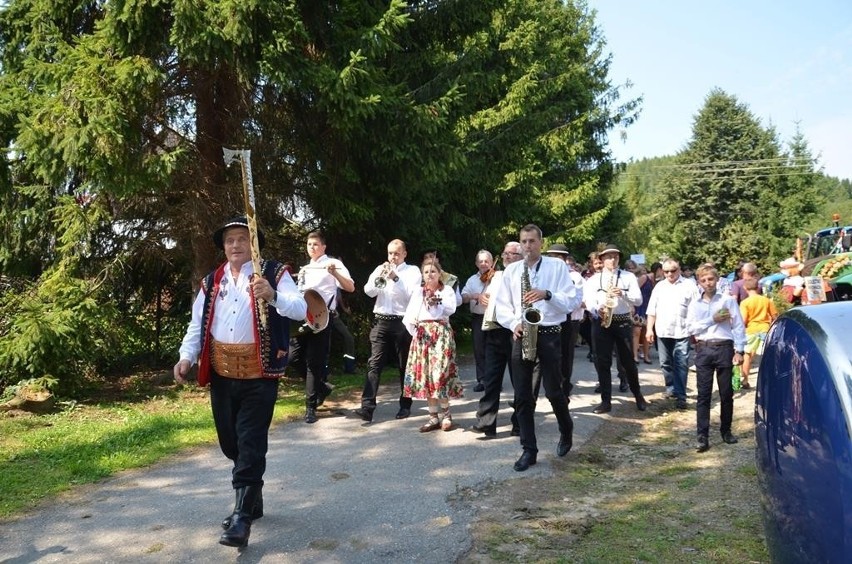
(609,249)
(218,236)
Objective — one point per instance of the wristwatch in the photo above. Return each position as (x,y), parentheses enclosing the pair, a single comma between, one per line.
(547,295)
(739,352)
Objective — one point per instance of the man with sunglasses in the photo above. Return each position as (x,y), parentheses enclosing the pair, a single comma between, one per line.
(666,317)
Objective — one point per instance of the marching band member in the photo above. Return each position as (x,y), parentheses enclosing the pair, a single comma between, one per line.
(609,294)
(471,294)
(308,349)
(242,371)
(498,349)
(542,284)
(392,284)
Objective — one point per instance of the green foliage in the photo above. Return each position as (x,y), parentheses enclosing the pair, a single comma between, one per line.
(733,194)
(447,124)
(56,327)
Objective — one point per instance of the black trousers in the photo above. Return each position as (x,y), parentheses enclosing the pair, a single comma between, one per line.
(618,336)
(549,350)
(570,330)
(390,342)
(242,412)
(718,359)
(309,357)
(478,345)
(498,352)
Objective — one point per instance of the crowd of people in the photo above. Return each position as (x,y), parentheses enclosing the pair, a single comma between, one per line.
(526,317)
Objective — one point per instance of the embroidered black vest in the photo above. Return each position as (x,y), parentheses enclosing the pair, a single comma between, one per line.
(272,343)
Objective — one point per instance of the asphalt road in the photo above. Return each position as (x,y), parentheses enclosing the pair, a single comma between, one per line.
(337,491)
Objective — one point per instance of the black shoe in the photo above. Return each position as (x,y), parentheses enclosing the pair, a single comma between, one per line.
(641,403)
(364,413)
(479,387)
(604,407)
(515,432)
(489,432)
(680,404)
(403,413)
(622,386)
(703,444)
(526,460)
(239,529)
(310,415)
(729,438)
(324,391)
(565,443)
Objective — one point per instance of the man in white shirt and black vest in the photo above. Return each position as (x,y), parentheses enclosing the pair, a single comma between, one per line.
(610,295)
(242,370)
(392,283)
(535,296)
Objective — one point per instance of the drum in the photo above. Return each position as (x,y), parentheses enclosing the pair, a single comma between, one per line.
(317,317)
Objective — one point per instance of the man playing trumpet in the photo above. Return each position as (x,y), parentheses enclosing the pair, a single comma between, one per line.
(392,284)
(610,294)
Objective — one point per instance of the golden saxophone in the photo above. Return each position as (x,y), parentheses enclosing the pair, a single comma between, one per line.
(531,317)
(610,303)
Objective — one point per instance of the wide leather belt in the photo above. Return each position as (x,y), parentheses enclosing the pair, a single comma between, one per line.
(238,361)
(385,317)
(549,329)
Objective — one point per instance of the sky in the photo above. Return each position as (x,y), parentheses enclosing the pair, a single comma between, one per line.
(788,61)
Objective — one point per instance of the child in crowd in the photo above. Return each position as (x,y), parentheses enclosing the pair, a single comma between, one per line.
(758,313)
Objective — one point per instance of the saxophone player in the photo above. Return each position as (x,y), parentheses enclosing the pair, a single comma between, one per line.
(611,294)
(547,287)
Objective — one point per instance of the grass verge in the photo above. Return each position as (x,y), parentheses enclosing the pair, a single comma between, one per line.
(635,492)
(141,423)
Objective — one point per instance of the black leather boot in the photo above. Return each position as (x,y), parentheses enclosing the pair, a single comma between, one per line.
(240,529)
(256,513)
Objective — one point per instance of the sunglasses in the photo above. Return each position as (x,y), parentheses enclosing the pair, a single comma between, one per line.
(670,271)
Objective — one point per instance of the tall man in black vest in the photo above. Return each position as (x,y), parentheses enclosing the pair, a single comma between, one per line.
(242,370)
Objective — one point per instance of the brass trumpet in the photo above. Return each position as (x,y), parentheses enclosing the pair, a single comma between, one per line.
(382,280)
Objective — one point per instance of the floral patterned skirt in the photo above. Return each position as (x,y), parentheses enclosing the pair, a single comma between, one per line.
(431,370)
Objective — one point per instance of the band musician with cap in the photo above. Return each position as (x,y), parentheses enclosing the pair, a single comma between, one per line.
(543,284)
(392,283)
(309,349)
(609,295)
(241,359)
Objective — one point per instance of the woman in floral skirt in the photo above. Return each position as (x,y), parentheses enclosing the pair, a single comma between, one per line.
(431,370)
